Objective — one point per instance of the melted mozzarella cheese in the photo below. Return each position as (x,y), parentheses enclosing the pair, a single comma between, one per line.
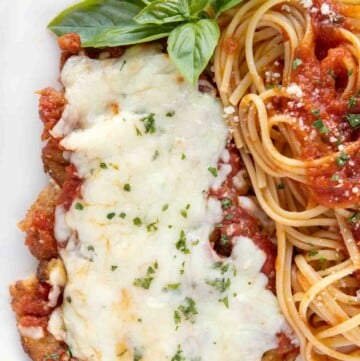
(143,281)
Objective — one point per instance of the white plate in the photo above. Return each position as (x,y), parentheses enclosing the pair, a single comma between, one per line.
(29,60)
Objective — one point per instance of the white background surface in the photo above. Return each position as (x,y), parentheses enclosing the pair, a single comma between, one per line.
(29,60)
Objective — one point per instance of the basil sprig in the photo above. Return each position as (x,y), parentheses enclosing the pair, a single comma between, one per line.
(189,24)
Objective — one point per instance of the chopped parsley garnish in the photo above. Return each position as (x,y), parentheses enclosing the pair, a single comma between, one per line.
(79,206)
(221,266)
(137,221)
(229,217)
(110,215)
(195,243)
(181,243)
(68,299)
(149,123)
(188,311)
(312,253)
(226,203)
(182,270)
(354,217)
(127,187)
(319,124)
(224,239)
(152,227)
(183,156)
(165,207)
(335,177)
(177,319)
(220,284)
(183,212)
(351,102)
(341,161)
(138,133)
(316,112)
(354,120)
(225,301)
(178,356)
(170,113)
(172,287)
(122,215)
(296,63)
(350,72)
(113,268)
(143,282)
(91,248)
(213,171)
(103,165)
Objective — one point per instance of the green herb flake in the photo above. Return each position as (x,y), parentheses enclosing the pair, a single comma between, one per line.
(341,161)
(351,102)
(103,165)
(172,287)
(220,284)
(229,217)
(152,227)
(188,311)
(183,156)
(226,203)
(91,248)
(316,112)
(165,207)
(224,239)
(143,282)
(79,206)
(350,72)
(68,299)
(312,253)
(110,215)
(355,217)
(113,268)
(137,221)
(354,120)
(213,171)
(319,124)
(138,132)
(181,243)
(170,113)
(122,215)
(177,318)
(335,178)
(127,187)
(225,301)
(296,63)
(178,355)
(149,123)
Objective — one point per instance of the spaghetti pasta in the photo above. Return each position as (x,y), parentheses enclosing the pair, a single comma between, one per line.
(291,70)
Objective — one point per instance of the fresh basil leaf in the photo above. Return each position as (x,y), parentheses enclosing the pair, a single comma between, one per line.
(160,12)
(219,6)
(131,35)
(191,46)
(197,5)
(91,18)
